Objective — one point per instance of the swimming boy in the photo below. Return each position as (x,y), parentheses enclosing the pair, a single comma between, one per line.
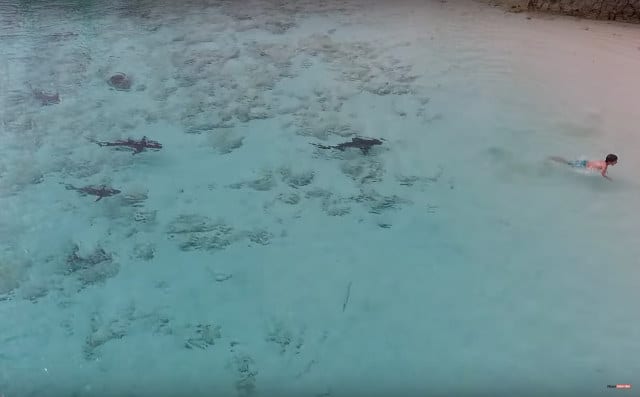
(600,165)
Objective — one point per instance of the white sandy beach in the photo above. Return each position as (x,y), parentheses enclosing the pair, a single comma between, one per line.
(241,260)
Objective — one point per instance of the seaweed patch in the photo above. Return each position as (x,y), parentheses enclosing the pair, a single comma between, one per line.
(296,180)
(378,203)
(363,171)
(260,236)
(101,332)
(145,252)
(289,198)
(246,374)
(203,336)
(265,182)
(198,232)
(94,268)
(284,338)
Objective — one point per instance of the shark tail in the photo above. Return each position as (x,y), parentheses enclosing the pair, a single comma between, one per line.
(99,143)
(93,140)
(323,146)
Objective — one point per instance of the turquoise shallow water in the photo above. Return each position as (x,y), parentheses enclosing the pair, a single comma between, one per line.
(242,260)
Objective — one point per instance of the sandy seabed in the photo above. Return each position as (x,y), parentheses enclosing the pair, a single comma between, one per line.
(241,260)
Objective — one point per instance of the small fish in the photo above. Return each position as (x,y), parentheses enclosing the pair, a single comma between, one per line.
(364,144)
(97,190)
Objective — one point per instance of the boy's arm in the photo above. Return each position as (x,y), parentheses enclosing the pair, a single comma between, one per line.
(604,172)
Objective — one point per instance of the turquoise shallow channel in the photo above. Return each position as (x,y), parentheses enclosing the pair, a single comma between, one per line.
(331,198)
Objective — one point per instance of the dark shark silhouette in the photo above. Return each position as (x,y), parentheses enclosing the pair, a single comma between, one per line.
(138,146)
(364,144)
(96,190)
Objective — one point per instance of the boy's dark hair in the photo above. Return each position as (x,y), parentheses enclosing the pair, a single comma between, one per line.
(611,158)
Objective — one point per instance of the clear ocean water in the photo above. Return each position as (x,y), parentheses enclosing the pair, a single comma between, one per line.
(241,259)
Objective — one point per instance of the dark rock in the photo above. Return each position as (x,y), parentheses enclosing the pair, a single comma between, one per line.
(120,82)
(612,10)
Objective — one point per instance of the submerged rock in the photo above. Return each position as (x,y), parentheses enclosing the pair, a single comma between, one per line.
(120,82)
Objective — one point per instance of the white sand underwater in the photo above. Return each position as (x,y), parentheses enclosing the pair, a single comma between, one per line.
(240,260)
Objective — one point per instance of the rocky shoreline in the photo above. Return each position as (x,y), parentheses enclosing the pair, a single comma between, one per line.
(611,10)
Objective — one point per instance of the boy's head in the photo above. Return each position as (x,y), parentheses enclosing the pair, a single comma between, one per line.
(611,159)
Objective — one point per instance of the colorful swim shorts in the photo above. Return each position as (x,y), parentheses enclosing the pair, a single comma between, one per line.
(578,163)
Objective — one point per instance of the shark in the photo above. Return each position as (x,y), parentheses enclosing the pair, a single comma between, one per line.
(99,191)
(138,146)
(364,144)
